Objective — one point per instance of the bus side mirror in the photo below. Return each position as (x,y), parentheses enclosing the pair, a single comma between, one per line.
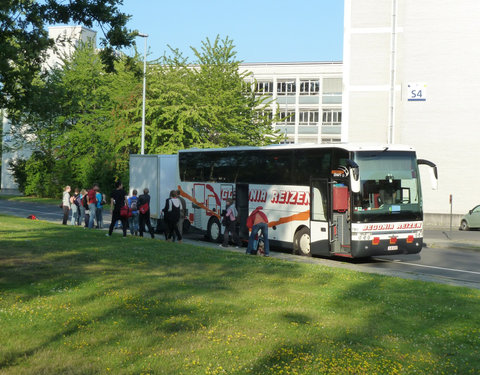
(354,180)
(354,172)
(433,172)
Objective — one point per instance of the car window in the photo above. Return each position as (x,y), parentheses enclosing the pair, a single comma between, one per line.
(476,209)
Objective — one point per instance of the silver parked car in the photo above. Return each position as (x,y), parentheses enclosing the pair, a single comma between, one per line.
(471,220)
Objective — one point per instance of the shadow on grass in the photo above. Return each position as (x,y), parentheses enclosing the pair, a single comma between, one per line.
(431,323)
(150,287)
(383,325)
(156,290)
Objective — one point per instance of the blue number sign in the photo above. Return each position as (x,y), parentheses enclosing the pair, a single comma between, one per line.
(417,92)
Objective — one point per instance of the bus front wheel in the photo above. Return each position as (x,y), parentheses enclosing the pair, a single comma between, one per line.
(214,230)
(301,242)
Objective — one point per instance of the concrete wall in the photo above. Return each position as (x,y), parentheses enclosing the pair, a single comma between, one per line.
(318,71)
(67,39)
(434,45)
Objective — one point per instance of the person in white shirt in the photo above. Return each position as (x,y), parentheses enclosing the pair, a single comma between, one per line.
(171,214)
(230,222)
(66,204)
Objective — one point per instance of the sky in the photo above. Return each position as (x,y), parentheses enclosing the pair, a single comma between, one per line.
(262,30)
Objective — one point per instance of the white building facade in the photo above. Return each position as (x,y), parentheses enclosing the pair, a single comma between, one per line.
(307,96)
(412,75)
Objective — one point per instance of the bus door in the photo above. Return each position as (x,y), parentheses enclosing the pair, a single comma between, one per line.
(241,203)
(198,212)
(340,222)
(319,241)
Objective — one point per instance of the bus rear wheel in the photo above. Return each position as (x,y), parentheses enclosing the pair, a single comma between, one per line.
(214,230)
(301,242)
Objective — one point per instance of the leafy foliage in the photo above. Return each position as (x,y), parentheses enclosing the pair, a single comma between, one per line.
(205,104)
(24,42)
(84,121)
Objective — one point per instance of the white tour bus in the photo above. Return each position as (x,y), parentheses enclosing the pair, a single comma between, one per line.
(329,200)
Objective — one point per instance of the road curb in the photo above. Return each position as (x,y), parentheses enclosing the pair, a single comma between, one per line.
(451,245)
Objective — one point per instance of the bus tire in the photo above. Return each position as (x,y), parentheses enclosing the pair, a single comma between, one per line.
(214,230)
(464,225)
(301,242)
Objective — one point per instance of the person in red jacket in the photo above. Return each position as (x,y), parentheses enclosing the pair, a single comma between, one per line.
(258,221)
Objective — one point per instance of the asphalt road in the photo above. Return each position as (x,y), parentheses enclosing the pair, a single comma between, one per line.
(449,258)
(41,211)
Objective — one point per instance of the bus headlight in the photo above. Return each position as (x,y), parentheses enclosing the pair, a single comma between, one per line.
(418,233)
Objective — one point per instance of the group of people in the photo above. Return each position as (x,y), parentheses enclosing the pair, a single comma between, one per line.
(257,222)
(84,206)
(174,214)
(138,218)
(88,206)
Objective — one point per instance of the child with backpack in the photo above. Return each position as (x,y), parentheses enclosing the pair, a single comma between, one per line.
(75,207)
(84,211)
(133,220)
(230,223)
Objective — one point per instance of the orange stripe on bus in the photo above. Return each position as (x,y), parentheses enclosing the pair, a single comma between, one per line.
(301,216)
(283,220)
(194,201)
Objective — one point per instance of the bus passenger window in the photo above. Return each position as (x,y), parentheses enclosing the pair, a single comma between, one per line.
(318,206)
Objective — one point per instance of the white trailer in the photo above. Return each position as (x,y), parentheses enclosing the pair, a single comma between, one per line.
(158,173)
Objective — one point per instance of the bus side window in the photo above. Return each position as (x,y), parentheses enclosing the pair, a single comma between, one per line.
(318,205)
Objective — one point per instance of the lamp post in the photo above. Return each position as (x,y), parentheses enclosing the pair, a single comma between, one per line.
(144,88)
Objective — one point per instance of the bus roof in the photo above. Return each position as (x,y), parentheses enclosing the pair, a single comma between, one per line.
(343,146)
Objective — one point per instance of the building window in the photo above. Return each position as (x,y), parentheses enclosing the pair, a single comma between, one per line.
(264,87)
(332,117)
(308,117)
(309,87)
(332,91)
(330,140)
(286,118)
(286,87)
(264,116)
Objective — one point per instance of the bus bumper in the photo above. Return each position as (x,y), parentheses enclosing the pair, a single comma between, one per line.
(361,249)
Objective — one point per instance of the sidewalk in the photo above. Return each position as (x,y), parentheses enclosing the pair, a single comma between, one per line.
(455,239)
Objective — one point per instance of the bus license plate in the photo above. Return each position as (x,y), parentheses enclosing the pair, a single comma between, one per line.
(390,248)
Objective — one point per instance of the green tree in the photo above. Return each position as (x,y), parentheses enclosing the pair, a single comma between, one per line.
(207,103)
(88,144)
(24,39)
(84,121)
(232,114)
(38,128)
(71,126)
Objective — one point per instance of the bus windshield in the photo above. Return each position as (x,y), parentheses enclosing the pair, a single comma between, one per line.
(389,187)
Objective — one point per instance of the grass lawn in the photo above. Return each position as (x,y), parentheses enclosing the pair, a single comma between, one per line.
(74,301)
(46,201)
(55,201)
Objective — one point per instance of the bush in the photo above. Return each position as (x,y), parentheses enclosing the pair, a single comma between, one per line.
(18,169)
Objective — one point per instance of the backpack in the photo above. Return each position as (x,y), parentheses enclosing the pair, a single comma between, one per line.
(84,202)
(78,200)
(144,208)
(133,203)
(174,215)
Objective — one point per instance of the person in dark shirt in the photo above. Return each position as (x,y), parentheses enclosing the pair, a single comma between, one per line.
(144,218)
(118,199)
